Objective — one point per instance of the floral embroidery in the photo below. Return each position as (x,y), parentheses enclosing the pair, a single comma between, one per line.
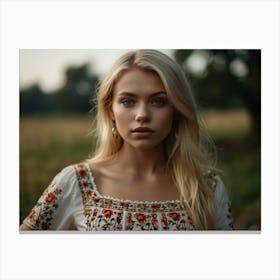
(154,221)
(174,216)
(105,213)
(42,213)
(140,217)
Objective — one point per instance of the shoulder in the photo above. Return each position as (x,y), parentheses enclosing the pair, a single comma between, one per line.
(212,179)
(64,180)
(216,184)
(222,210)
(66,174)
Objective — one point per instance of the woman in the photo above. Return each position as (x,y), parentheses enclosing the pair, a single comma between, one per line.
(149,171)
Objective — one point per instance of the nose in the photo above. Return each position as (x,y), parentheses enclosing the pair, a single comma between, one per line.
(142,114)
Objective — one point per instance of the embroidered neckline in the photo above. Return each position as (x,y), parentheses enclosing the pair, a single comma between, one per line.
(129,201)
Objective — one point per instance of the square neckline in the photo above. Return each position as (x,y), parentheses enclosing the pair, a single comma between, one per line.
(122,200)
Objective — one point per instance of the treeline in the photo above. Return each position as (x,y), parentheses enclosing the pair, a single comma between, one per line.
(75,96)
(222,79)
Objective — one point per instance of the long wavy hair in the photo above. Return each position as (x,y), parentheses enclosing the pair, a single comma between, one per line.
(185,150)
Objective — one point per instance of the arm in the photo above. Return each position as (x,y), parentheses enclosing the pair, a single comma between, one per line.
(24,227)
(223,218)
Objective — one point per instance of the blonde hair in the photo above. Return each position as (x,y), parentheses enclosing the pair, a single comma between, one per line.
(185,155)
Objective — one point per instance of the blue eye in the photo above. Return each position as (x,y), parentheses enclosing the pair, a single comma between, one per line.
(158,102)
(127,102)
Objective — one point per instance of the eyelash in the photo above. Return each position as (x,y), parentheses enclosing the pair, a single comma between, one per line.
(157,102)
(127,102)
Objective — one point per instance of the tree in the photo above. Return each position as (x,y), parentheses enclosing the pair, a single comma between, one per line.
(77,91)
(226,79)
(33,100)
(73,97)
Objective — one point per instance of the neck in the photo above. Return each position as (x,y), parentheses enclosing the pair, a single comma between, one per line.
(142,162)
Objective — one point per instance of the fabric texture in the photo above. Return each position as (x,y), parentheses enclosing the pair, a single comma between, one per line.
(72,202)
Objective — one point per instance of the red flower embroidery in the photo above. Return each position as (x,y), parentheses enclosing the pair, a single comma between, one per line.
(96,200)
(175,216)
(155,206)
(83,173)
(129,222)
(45,226)
(141,218)
(50,198)
(85,184)
(154,221)
(107,213)
(119,217)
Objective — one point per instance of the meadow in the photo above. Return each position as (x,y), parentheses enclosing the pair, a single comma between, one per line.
(49,143)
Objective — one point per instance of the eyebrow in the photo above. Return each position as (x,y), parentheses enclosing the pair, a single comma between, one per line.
(124,93)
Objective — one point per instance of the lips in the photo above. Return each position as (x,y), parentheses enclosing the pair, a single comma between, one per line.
(142,129)
(142,132)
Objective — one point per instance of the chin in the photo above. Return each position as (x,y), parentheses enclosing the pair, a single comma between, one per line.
(144,144)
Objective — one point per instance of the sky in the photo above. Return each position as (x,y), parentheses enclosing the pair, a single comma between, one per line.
(46,66)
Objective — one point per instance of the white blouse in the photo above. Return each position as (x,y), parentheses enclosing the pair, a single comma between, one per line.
(72,202)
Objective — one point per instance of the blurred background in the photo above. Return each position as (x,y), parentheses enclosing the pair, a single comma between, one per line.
(56,117)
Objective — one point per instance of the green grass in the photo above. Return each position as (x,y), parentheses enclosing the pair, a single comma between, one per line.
(47,144)
(240,163)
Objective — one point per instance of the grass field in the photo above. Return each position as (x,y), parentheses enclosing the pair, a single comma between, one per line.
(47,144)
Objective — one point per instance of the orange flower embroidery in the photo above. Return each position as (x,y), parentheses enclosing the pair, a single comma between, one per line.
(89,192)
(175,216)
(50,198)
(96,200)
(31,215)
(141,218)
(86,212)
(107,213)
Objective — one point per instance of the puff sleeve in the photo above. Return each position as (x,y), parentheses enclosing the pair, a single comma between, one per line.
(223,218)
(54,210)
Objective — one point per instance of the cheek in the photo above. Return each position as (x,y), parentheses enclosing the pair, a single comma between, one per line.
(121,115)
(167,119)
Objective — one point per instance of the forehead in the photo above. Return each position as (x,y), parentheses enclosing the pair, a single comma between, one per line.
(139,81)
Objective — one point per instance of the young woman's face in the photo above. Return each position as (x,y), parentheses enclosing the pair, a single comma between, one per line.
(141,110)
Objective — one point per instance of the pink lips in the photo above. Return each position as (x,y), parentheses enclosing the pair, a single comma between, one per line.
(142,132)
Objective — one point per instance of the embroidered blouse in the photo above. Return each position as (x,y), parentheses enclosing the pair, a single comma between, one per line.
(72,202)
